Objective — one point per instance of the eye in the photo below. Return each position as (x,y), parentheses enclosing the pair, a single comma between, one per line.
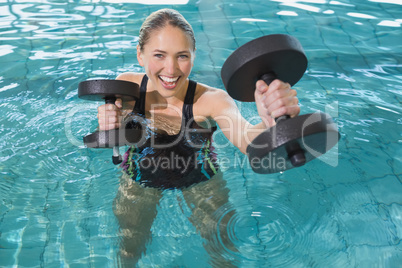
(158,55)
(183,56)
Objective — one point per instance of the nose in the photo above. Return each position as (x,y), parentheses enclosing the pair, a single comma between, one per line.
(171,65)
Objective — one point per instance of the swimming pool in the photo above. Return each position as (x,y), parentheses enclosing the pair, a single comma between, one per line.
(342,210)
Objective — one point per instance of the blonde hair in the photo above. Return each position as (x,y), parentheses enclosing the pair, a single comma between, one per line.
(159,19)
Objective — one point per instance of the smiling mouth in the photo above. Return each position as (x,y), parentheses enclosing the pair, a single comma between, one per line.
(169,82)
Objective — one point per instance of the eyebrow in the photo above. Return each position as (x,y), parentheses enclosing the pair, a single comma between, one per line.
(180,52)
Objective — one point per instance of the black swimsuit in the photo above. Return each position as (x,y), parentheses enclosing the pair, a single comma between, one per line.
(172,161)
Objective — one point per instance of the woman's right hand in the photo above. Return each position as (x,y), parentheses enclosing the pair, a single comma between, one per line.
(110,115)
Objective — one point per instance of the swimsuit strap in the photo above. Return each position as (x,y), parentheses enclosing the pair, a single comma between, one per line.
(188,102)
(140,103)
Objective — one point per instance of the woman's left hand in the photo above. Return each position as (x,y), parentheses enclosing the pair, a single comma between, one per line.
(275,100)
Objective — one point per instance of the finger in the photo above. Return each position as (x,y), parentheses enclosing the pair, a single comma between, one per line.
(105,127)
(292,111)
(282,102)
(108,117)
(107,110)
(109,114)
(112,119)
(277,91)
(119,103)
(278,97)
(277,85)
(111,107)
(102,108)
(261,87)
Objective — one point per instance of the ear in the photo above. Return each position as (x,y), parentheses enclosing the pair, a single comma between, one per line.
(139,56)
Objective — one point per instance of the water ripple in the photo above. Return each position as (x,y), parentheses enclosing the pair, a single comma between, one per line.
(56,197)
(267,232)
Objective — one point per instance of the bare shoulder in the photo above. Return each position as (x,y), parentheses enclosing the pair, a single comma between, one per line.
(131,77)
(208,94)
(210,101)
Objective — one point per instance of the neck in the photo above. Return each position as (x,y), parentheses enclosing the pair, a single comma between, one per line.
(171,104)
(177,99)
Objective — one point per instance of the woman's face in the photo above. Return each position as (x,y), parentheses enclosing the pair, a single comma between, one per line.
(167,58)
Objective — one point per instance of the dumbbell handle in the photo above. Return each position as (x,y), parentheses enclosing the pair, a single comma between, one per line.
(295,152)
(108,91)
(117,159)
(110,100)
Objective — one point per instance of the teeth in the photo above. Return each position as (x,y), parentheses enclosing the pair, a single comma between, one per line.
(168,79)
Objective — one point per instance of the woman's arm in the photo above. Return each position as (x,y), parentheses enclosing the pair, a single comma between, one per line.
(272,101)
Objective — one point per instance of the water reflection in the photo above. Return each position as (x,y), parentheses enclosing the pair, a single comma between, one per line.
(56,198)
(144,2)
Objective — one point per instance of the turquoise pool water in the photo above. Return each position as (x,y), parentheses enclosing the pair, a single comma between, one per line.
(56,196)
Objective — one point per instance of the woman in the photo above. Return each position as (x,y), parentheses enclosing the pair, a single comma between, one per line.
(182,115)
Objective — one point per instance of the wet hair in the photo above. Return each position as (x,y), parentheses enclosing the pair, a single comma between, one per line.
(159,19)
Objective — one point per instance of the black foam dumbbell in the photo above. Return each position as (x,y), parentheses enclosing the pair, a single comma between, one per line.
(295,140)
(109,91)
